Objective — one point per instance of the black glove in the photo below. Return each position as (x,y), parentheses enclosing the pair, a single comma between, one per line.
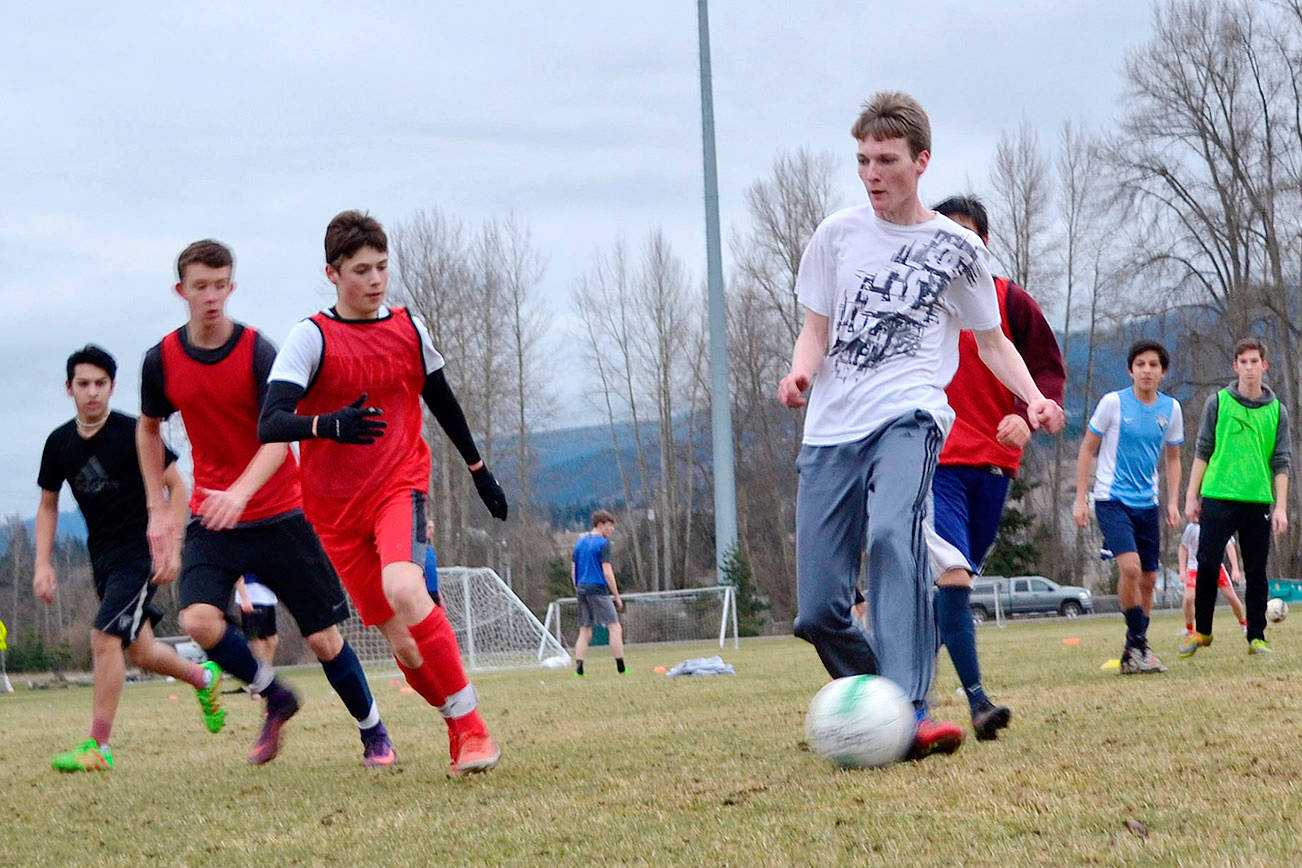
(490,492)
(352,424)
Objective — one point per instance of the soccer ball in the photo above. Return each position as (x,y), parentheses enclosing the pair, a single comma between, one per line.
(1276,610)
(861,721)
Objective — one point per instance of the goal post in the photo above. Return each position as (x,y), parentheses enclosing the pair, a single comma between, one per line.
(682,615)
(493,626)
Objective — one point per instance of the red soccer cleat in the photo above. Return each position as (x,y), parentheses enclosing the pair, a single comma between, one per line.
(935,736)
(475,752)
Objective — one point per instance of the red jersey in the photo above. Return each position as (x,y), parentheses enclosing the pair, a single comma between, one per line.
(343,484)
(219,403)
(980,400)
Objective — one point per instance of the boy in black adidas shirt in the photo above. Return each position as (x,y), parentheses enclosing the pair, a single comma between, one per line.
(95,453)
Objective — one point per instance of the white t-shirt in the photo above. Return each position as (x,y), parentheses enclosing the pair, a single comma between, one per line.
(300,356)
(1189,541)
(258,593)
(896,298)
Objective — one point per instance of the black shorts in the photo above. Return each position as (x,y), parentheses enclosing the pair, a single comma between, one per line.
(258,624)
(285,555)
(126,596)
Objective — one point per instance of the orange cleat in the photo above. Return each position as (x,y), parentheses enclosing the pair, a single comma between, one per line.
(475,752)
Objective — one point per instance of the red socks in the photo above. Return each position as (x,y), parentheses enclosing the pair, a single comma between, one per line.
(100,729)
(196,676)
(440,679)
(422,682)
(438,648)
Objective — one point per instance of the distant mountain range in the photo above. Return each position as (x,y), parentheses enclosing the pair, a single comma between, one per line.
(71,524)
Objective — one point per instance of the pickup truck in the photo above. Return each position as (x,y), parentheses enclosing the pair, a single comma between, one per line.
(1026,594)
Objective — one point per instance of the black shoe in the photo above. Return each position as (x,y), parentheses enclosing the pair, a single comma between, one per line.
(989,719)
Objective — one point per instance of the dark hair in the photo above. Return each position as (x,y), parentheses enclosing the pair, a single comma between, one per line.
(349,232)
(890,114)
(93,355)
(207,252)
(967,206)
(1252,343)
(1145,346)
(602,516)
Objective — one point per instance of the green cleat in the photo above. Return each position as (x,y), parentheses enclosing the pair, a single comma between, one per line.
(86,757)
(1259,646)
(1192,643)
(210,703)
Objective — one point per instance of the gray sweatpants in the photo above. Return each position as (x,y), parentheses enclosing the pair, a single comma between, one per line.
(881,484)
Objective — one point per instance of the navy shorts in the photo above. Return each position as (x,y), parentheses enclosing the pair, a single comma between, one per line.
(285,555)
(1127,529)
(258,624)
(126,596)
(967,504)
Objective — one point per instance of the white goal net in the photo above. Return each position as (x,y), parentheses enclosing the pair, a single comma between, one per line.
(495,630)
(685,615)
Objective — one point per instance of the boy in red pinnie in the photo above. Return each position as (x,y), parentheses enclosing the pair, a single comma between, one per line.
(348,385)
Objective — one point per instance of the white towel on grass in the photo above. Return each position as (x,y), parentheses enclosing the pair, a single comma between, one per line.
(702,666)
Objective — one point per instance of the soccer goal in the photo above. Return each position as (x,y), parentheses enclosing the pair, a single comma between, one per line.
(685,615)
(495,630)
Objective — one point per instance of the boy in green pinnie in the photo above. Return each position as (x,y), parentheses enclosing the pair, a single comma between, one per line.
(1240,470)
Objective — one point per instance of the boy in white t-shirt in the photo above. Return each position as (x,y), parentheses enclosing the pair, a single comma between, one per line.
(1189,571)
(886,289)
(257,605)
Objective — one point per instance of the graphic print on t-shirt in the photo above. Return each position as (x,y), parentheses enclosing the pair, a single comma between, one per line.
(908,290)
(92,479)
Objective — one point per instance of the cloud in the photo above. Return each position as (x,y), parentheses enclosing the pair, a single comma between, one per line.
(133,128)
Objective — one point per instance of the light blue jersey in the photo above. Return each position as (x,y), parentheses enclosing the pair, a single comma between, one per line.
(1133,436)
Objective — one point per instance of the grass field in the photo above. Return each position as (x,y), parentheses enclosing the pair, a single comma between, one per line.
(646,770)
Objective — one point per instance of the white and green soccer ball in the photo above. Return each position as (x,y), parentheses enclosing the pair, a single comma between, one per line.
(1276,610)
(861,721)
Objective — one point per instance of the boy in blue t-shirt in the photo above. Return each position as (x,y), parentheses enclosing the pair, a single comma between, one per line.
(594,583)
(1131,429)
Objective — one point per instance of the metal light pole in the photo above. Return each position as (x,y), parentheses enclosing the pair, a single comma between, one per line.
(725,483)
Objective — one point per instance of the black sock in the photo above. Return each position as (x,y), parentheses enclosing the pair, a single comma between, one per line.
(232,654)
(619,664)
(579,665)
(345,675)
(1134,627)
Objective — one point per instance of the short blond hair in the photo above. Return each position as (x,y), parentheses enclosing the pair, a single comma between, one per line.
(892,114)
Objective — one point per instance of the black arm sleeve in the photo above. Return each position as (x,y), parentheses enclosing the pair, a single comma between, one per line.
(278,422)
(264,355)
(447,410)
(153,397)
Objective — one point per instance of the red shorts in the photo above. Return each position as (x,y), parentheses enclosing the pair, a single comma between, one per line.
(396,535)
(1222,581)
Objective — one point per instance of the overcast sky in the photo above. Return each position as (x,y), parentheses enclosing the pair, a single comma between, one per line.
(130,129)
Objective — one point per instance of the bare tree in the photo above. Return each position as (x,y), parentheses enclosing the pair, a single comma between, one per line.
(1210,149)
(432,278)
(603,300)
(764,317)
(785,208)
(1080,207)
(667,320)
(1023,192)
